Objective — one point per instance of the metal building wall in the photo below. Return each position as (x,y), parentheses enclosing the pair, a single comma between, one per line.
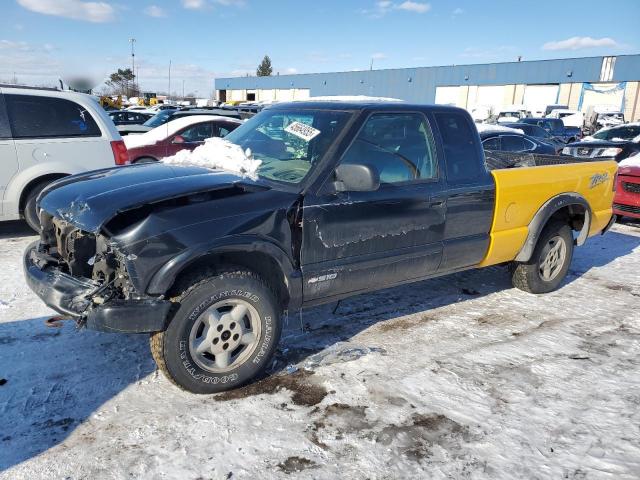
(419,84)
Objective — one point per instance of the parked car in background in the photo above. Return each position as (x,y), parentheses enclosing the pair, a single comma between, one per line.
(626,202)
(538,133)
(570,118)
(134,108)
(180,134)
(556,128)
(47,134)
(129,117)
(551,108)
(167,115)
(509,115)
(616,142)
(603,116)
(503,139)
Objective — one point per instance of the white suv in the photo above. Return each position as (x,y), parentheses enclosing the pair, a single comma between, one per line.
(46,135)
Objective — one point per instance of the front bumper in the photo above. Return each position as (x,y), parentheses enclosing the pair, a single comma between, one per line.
(72,296)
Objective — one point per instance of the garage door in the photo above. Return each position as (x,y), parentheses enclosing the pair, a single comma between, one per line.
(490,95)
(447,95)
(537,97)
(602,94)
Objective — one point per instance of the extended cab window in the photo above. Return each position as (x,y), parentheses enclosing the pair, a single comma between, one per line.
(399,145)
(34,116)
(461,153)
(491,143)
(512,143)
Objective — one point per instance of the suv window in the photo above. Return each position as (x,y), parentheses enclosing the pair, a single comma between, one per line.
(399,145)
(5,131)
(46,117)
(197,133)
(512,143)
(460,150)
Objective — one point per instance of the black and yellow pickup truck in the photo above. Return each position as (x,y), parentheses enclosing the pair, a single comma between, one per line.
(348,198)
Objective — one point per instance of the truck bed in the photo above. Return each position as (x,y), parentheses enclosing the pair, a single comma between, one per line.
(520,193)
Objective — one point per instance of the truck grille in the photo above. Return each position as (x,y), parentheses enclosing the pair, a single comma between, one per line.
(631,187)
(75,247)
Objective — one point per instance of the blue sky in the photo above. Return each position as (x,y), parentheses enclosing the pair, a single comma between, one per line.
(41,40)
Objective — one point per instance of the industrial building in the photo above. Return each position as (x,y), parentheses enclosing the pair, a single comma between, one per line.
(575,82)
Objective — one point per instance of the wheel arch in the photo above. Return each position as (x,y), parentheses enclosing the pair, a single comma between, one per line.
(263,258)
(28,188)
(571,208)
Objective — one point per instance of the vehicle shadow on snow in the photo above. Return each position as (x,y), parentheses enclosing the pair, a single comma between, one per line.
(15,229)
(55,378)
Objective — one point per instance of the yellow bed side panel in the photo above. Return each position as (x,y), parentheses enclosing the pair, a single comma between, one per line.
(521,192)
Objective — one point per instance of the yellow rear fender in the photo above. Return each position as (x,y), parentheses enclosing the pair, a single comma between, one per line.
(570,207)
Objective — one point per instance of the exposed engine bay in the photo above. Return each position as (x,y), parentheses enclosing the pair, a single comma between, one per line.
(85,255)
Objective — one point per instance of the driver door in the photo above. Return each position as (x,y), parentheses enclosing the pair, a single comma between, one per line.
(360,241)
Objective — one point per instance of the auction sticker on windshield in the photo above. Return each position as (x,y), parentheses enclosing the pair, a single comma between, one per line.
(303,131)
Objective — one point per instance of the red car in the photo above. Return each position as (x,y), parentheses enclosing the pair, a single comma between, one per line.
(627,199)
(182,133)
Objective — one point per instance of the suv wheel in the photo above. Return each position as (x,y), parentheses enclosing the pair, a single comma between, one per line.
(549,263)
(222,335)
(29,213)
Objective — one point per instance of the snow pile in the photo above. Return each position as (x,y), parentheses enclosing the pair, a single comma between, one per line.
(632,161)
(218,154)
(486,127)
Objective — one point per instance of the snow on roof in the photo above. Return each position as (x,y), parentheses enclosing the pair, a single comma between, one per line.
(217,154)
(485,127)
(349,98)
(632,161)
(171,128)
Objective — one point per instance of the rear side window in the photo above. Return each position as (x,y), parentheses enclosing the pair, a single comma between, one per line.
(5,131)
(491,143)
(46,117)
(512,143)
(461,153)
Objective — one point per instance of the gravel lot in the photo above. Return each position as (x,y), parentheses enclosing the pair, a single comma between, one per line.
(457,377)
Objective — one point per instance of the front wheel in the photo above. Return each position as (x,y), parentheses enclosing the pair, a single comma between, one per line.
(224,331)
(549,263)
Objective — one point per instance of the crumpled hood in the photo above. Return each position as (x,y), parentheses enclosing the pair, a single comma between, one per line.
(91,199)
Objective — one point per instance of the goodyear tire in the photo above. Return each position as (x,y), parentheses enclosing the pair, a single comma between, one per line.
(223,333)
(550,261)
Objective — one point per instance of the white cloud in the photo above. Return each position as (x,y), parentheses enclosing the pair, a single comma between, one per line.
(416,7)
(96,12)
(194,4)
(457,11)
(155,11)
(578,43)
(382,7)
(378,56)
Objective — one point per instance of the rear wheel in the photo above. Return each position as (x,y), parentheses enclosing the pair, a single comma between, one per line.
(549,263)
(222,335)
(29,212)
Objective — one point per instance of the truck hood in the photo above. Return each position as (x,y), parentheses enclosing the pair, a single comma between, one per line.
(91,199)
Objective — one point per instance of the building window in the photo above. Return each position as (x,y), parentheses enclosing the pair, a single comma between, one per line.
(606,72)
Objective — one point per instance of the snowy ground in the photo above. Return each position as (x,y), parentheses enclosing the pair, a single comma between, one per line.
(458,377)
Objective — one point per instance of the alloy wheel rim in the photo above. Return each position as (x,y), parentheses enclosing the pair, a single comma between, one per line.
(225,335)
(554,255)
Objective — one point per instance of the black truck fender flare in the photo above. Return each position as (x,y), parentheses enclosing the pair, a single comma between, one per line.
(543,215)
(165,277)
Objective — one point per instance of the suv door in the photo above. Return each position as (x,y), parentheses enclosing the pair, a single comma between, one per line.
(359,241)
(8,156)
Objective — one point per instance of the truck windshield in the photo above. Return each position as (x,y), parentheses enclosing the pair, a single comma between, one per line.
(289,142)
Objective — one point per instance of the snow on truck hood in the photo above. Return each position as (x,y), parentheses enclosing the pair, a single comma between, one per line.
(217,154)
(171,128)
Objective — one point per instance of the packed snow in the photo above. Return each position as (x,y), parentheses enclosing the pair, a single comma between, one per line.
(631,161)
(456,377)
(487,127)
(218,154)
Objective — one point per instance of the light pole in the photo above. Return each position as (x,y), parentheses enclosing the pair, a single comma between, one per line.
(132,41)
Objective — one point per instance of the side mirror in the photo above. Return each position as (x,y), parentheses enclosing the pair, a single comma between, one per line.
(178,139)
(356,178)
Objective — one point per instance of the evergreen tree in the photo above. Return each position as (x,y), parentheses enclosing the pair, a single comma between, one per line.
(265,69)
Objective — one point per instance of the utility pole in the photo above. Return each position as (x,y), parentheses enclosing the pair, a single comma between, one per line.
(132,41)
(183,89)
(169,89)
(371,65)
